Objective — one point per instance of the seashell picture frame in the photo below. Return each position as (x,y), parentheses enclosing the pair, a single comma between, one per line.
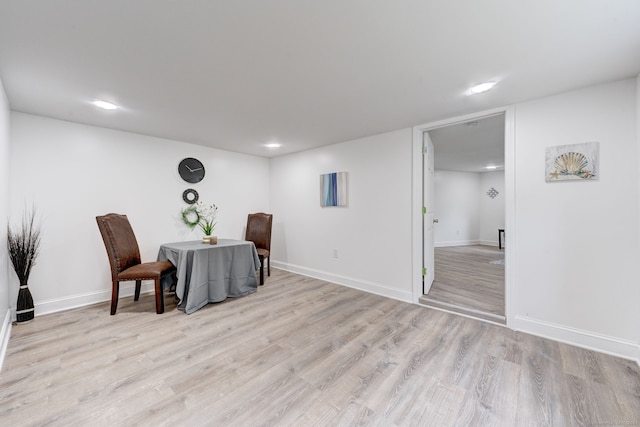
(575,162)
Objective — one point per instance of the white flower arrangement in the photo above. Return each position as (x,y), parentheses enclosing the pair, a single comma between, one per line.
(202,215)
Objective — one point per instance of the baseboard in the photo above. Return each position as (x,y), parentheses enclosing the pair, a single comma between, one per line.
(361,285)
(456,243)
(489,243)
(579,338)
(5,334)
(465,243)
(81,300)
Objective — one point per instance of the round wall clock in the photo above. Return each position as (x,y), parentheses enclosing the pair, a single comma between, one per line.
(190,196)
(191,170)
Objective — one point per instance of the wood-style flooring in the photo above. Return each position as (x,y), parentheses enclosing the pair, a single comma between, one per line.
(303,352)
(468,280)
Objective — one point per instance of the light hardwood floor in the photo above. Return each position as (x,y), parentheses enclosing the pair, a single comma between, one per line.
(467,280)
(303,352)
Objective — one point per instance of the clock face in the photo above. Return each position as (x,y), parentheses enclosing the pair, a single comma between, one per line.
(191,170)
(190,196)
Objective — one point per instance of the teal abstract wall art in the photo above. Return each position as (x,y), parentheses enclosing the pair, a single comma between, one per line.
(333,189)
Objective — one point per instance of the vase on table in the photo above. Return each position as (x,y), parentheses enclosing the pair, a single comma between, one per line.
(211,240)
(24,307)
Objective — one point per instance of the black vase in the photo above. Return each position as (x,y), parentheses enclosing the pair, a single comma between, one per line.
(24,307)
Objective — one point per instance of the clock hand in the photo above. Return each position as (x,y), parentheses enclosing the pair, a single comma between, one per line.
(195,169)
(187,166)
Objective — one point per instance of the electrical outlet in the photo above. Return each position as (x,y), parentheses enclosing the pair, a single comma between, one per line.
(335,253)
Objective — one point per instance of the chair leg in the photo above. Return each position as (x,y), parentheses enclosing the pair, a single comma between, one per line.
(269,266)
(261,269)
(136,297)
(114,296)
(174,282)
(159,297)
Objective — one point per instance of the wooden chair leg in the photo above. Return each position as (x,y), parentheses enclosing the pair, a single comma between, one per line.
(136,297)
(174,282)
(159,297)
(115,290)
(261,269)
(269,266)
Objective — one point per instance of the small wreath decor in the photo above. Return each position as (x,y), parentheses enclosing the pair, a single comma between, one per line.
(201,215)
(190,216)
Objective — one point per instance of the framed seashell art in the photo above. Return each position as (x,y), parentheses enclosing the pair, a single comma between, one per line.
(572,162)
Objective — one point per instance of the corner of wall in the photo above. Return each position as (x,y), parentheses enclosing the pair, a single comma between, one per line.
(638,154)
(5,334)
(577,337)
(5,145)
(362,285)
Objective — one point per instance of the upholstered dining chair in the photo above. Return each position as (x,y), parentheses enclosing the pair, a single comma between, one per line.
(259,232)
(124,257)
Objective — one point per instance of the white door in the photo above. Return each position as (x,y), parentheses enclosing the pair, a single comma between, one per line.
(428,198)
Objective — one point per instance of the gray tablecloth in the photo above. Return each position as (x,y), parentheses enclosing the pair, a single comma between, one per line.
(210,273)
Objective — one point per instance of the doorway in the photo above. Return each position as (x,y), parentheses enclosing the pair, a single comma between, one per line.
(471,190)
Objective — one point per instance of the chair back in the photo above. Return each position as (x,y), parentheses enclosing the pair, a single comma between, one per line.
(120,241)
(259,230)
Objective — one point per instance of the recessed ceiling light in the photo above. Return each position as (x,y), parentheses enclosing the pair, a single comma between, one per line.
(491,167)
(482,87)
(105,105)
(273,145)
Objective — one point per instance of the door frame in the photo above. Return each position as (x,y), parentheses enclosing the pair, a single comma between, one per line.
(509,180)
(428,213)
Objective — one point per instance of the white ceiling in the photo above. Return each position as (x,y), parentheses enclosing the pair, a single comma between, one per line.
(236,74)
(470,146)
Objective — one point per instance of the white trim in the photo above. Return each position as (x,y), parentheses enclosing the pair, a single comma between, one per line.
(468,316)
(373,288)
(458,243)
(82,300)
(510,211)
(466,243)
(5,334)
(578,337)
(416,188)
(417,260)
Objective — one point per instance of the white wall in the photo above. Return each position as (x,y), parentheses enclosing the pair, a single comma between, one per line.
(372,235)
(575,268)
(575,246)
(72,173)
(638,193)
(5,313)
(456,208)
(491,211)
(466,215)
